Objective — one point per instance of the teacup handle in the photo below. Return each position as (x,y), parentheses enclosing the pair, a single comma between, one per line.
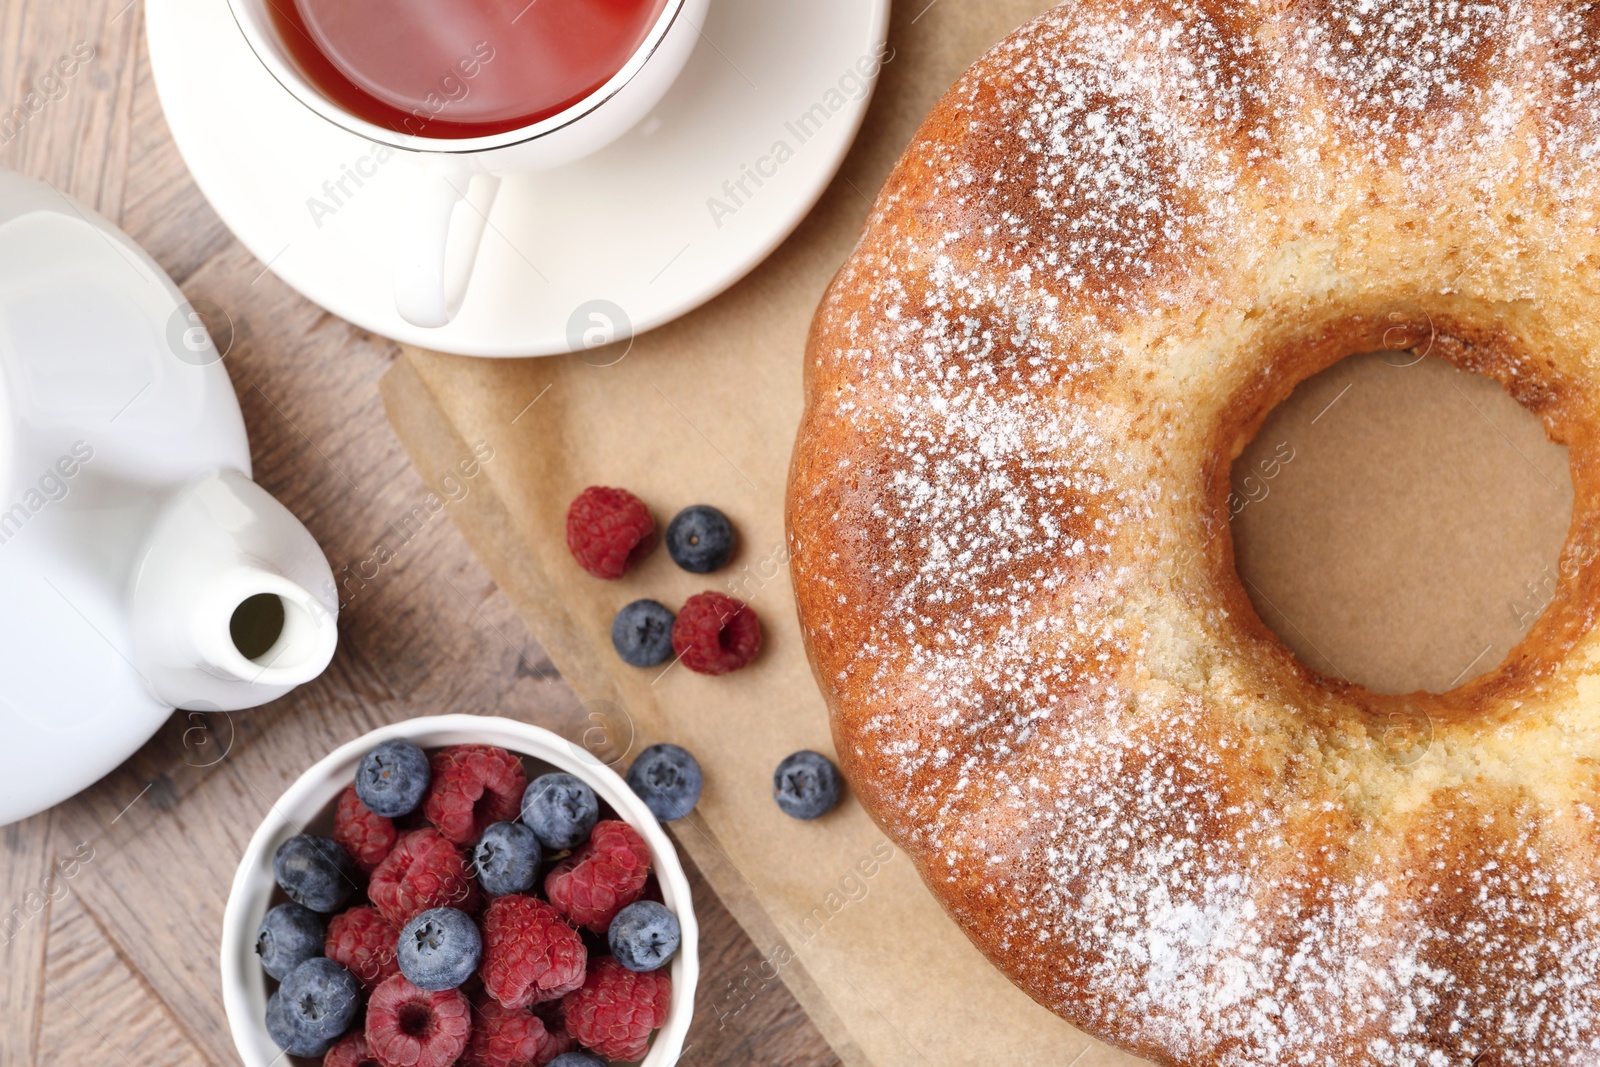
(436,250)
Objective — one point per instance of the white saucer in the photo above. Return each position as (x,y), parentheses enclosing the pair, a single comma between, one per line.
(653,226)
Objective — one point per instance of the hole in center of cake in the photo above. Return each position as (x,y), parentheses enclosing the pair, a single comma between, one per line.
(1398,522)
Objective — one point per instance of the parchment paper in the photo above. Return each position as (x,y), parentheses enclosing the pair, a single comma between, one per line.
(704,411)
(1399,522)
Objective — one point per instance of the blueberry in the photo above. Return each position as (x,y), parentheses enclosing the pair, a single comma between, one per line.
(287,937)
(642,633)
(286,1037)
(317,1002)
(439,949)
(507,858)
(560,810)
(315,872)
(700,539)
(577,1059)
(392,779)
(806,785)
(668,780)
(644,935)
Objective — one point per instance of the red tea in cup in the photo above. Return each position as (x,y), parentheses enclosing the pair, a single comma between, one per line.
(461,68)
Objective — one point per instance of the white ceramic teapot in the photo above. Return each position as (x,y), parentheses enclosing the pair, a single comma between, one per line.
(140,567)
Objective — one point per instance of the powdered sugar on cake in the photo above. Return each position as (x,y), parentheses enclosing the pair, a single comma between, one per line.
(1028,687)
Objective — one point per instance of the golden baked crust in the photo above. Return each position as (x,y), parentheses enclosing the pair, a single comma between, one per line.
(1119,240)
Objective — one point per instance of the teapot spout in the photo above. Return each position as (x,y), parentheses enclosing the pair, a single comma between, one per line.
(233,602)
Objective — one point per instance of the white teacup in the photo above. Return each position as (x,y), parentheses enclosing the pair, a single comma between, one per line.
(439,243)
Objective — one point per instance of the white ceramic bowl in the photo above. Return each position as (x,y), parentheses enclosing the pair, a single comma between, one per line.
(310,799)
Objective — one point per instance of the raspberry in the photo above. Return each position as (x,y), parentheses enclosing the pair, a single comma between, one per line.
(604,876)
(716,634)
(366,836)
(608,531)
(473,786)
(615,1011)
(352,1051)
(424,871)
(556,1039)
(362,941)
(529,954)
(407,1027)
(503,1037)
(556,1043)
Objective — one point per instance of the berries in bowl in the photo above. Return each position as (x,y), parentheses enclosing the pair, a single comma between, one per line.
(520,903)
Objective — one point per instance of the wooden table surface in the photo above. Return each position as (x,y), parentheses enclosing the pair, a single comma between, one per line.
(117,964)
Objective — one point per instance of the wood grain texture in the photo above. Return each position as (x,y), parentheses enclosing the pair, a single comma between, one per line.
(92,992)
(121,966)
(25,865)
